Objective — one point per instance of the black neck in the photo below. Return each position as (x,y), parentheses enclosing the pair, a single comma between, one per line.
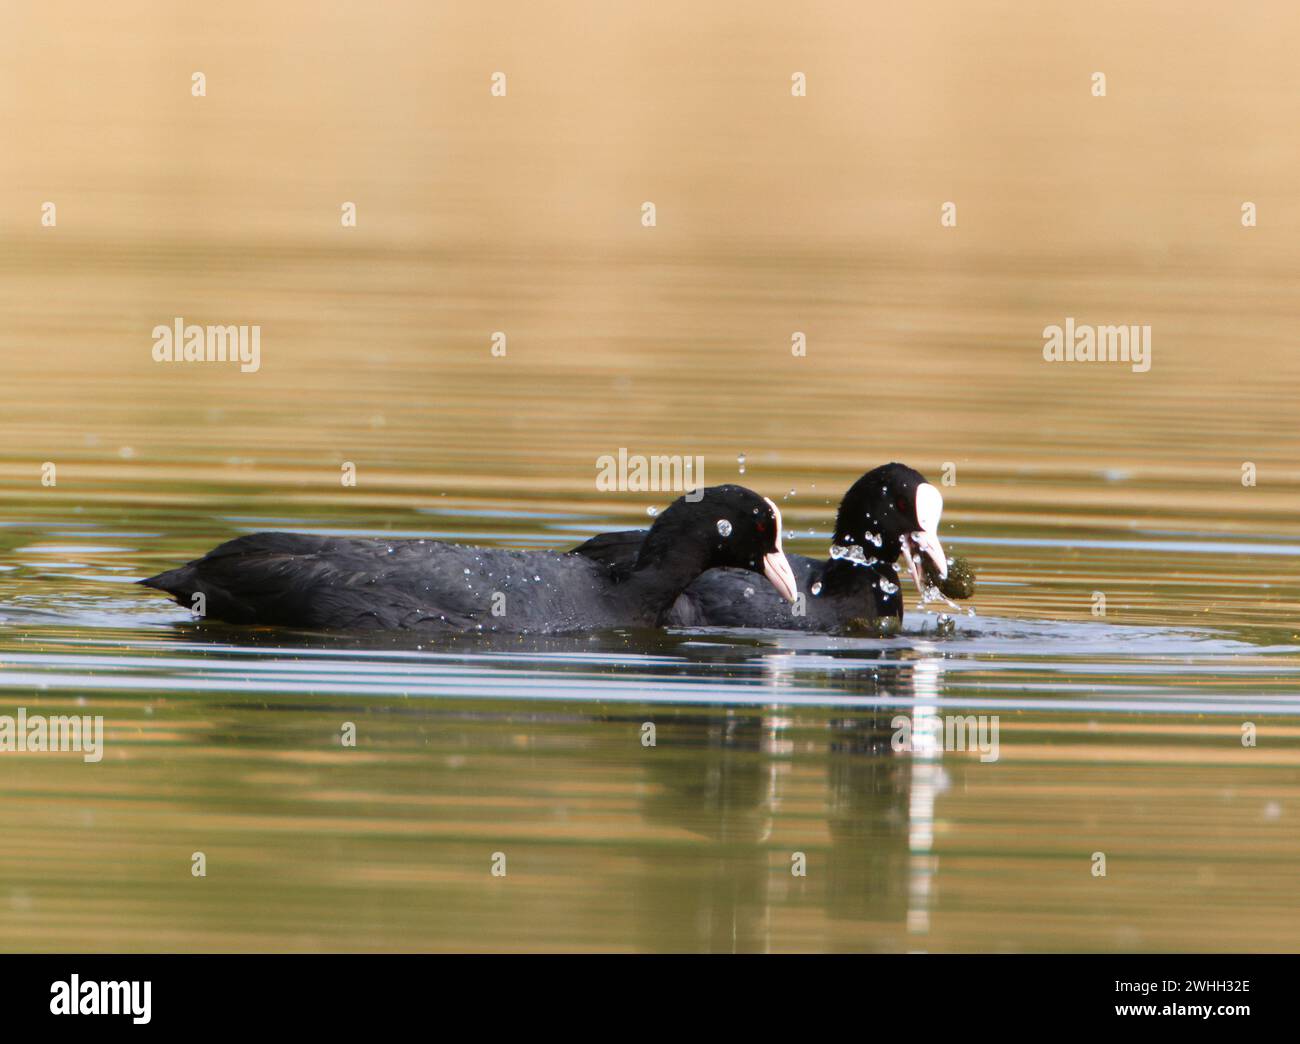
(662,572)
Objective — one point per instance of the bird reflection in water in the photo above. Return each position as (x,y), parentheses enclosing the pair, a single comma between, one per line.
(735,777)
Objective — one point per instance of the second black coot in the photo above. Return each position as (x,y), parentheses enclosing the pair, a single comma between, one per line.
(328,583)
(890,511)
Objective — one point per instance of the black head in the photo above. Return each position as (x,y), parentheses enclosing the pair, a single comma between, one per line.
(893,510)
(726,526)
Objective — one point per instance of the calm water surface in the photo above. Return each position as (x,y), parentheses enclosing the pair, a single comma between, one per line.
(1119,735)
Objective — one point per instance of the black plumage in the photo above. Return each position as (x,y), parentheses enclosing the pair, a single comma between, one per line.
(328,583)
(857,588)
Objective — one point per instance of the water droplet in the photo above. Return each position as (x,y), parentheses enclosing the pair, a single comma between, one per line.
(740,461)
(888,586)
(724,527)
(852,553)
(817,588)
(652,511)
(749,592)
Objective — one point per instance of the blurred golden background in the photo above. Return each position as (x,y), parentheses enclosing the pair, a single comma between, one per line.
(775,214)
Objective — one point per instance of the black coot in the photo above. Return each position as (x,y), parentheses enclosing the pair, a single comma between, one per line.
(891,510)
(313,582)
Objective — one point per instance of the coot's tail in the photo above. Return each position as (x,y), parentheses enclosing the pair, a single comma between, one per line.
(197,593)
(179,583)
(257,578)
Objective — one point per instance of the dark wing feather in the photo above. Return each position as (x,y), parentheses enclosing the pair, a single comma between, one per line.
(297,580)
(618,550)
(331,583)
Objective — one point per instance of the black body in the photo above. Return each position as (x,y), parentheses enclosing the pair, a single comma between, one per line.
(850,597)
(328,583)
(838,594)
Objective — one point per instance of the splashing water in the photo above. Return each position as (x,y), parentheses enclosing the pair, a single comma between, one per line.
(933,594)
(853,553)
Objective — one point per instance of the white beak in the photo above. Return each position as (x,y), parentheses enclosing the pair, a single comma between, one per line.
(776,567)
(929,509)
